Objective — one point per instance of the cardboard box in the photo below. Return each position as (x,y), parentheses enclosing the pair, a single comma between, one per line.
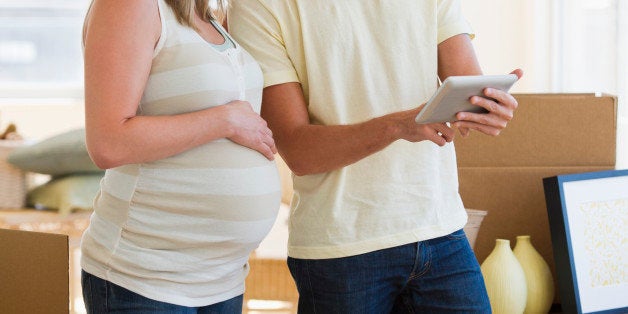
(551,134)
(548,130)
(515,202)
(34,272)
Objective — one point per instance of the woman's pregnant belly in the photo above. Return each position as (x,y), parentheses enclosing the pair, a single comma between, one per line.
(220,195)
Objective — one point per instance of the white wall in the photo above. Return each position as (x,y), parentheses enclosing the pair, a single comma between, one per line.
(38,121)
(513,34)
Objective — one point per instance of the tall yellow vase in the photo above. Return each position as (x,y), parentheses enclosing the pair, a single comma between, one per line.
(505,280)
(538,277)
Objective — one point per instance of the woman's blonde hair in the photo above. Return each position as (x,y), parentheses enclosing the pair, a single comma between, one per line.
(184,10)
(206,9)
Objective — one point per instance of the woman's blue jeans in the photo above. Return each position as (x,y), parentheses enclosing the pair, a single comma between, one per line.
(440,275)
(102,296)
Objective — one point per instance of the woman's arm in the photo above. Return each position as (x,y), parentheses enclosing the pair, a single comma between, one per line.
(119,42)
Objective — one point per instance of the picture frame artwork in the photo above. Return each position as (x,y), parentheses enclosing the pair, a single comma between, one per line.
(588,217)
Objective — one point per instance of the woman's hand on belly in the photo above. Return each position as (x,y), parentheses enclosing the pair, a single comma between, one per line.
(247,128)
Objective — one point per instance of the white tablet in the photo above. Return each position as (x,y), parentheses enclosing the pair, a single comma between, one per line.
(453,96)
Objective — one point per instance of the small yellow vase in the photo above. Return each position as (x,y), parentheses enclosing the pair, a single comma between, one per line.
(505,280)
(538,277)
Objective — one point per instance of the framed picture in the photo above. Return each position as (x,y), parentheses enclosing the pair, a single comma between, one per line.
(588,217)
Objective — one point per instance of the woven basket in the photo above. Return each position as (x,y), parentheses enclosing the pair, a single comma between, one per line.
(12,179)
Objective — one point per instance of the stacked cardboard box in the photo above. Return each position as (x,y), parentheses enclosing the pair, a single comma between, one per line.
(550,134)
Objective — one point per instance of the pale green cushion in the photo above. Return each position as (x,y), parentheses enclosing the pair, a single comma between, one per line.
(66,194)
(61,154)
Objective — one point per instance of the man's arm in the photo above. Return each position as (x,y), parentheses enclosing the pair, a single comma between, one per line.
(456,56)
(309,149)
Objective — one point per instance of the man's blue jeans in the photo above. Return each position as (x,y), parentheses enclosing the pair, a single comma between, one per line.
(102,296)
(440,275)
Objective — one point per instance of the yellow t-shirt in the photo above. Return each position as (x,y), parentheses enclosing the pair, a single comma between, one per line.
(357,60)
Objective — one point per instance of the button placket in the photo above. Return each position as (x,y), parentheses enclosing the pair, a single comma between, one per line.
(232,55)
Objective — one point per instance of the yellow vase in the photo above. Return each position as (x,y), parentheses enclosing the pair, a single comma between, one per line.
(505,280)
(538,277)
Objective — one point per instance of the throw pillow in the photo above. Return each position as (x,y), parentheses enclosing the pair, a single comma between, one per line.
(58,155)
(66,194)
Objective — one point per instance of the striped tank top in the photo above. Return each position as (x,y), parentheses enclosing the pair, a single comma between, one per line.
(180,230)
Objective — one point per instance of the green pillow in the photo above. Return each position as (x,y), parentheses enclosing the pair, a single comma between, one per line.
(61,154)
(66,194)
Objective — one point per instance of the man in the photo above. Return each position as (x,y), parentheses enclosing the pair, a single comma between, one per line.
(376,220)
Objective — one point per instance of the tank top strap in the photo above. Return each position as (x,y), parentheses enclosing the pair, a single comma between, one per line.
(164,10)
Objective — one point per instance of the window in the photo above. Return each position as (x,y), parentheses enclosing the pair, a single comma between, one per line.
(563,46)
(40,49)
(592,55)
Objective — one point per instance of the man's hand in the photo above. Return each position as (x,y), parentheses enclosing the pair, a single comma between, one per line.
(501,107)
(438,133)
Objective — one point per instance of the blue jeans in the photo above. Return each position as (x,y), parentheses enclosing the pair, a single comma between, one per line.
(440,275)
(102,296)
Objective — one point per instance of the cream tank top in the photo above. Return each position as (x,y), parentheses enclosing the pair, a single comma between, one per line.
(180,230)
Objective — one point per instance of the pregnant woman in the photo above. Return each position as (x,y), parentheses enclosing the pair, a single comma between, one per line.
(191,187)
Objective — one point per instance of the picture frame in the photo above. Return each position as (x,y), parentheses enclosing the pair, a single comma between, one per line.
(588,218)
